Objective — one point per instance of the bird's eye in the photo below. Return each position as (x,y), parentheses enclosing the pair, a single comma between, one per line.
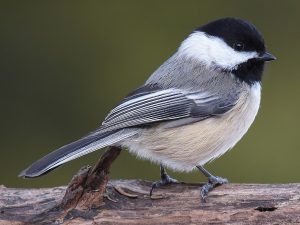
(238,46)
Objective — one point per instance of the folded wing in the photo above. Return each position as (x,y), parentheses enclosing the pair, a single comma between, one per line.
(165,105)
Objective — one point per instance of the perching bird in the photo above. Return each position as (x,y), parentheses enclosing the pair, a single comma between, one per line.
(196,106)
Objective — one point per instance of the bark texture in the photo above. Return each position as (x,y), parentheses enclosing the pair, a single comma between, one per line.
(91,199)
(128,202)
(87,188)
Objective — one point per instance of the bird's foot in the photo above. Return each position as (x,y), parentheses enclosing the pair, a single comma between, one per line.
(165,180)
(213,181)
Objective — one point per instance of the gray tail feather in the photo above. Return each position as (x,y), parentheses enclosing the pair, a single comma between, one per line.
(76,149)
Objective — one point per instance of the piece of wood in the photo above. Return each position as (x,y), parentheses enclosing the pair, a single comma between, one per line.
(89,199)
(88,186)
(128,202)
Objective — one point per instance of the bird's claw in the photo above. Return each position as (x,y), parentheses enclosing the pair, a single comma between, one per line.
(166,180)
(213,182)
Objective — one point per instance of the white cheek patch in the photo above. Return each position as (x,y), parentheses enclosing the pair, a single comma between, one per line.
(213,51)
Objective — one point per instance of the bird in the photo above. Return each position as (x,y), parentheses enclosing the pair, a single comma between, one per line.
(191,110)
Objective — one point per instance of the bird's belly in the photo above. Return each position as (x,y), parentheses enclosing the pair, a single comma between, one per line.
(183,148)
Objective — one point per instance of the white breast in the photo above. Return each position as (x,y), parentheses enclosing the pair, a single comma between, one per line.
(183,148)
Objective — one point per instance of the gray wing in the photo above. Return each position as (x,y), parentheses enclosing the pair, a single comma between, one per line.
(150,107)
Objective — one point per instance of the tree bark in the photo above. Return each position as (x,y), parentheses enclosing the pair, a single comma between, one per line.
(128,202)
(87,188)
(91,199)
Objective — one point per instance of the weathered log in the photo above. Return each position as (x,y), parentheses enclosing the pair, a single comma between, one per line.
(128,202)
(90,199)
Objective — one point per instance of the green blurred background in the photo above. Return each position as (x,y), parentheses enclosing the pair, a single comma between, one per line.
(65,64)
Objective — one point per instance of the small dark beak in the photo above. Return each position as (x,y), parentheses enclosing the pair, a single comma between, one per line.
(266,57)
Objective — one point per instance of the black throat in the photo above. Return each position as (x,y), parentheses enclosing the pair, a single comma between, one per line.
(250,71)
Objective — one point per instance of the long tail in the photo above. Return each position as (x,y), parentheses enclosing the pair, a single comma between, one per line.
(83,146)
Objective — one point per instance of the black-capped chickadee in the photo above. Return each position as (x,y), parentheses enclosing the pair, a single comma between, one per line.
(196,106)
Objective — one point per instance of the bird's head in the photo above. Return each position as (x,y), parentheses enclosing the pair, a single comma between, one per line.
(231,45)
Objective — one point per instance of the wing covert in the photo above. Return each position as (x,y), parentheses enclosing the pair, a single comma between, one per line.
(154,107)
(151,106)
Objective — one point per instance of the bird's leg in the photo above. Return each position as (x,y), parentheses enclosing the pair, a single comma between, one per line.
(165,179)
(213,181)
